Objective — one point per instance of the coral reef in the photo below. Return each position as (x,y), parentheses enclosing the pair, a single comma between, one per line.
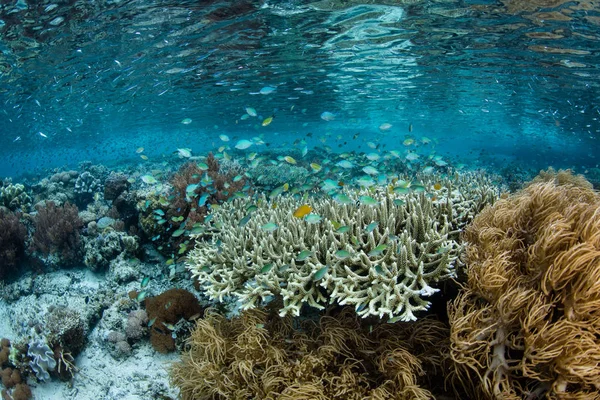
(526,323)
(66,328)
(14,197)
(277,175)
(170,218)
(136,326)
(14,386)
(561,177)
(42,359)
(101,248)
(259,355)
(114,185)
(165,311)
(57,232)
(12,242)
(382,258)
(58,188)
(86,185)
(66,335)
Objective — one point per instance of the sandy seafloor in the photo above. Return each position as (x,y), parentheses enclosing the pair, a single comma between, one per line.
(100,376)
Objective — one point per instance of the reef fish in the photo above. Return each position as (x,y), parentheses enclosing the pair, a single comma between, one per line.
(267,90)
(269,227)
(345,164)
(313,218)
(149,179)
(302,211)
(243,144)
(327,116)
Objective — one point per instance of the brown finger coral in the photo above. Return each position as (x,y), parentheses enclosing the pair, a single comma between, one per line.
(527,323)
(262,356)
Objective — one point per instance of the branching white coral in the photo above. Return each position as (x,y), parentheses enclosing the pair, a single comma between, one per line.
(383,259)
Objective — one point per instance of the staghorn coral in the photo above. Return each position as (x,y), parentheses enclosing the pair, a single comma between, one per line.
(383,261)
(12,242)
(277,175)
(469,192)
(259,355)
(57,232)
(526,323)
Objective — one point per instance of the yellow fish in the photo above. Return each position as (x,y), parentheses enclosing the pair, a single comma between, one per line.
(286,187)
(302,211)
(267,120)
(437,186)
(144,157)
(290,159)
(139,150)
(408,142)
(315,167)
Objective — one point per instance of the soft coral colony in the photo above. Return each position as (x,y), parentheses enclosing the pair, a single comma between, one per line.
(345,293)
(524,324)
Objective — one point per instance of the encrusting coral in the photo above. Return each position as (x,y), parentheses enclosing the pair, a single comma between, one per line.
(527,322)
(259,355)
(383,258)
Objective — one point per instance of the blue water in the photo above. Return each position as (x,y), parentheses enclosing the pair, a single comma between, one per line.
(492,84)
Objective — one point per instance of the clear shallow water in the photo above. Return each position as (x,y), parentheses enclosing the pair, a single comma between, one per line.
(491,83)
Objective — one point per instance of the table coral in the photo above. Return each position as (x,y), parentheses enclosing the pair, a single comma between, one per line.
(383,259)
(526,324)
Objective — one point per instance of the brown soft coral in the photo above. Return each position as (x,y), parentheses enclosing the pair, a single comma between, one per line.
(195,188)
(527,323)
(187,203)
(165,310)
(57,232)
(259,355)
(12,241)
